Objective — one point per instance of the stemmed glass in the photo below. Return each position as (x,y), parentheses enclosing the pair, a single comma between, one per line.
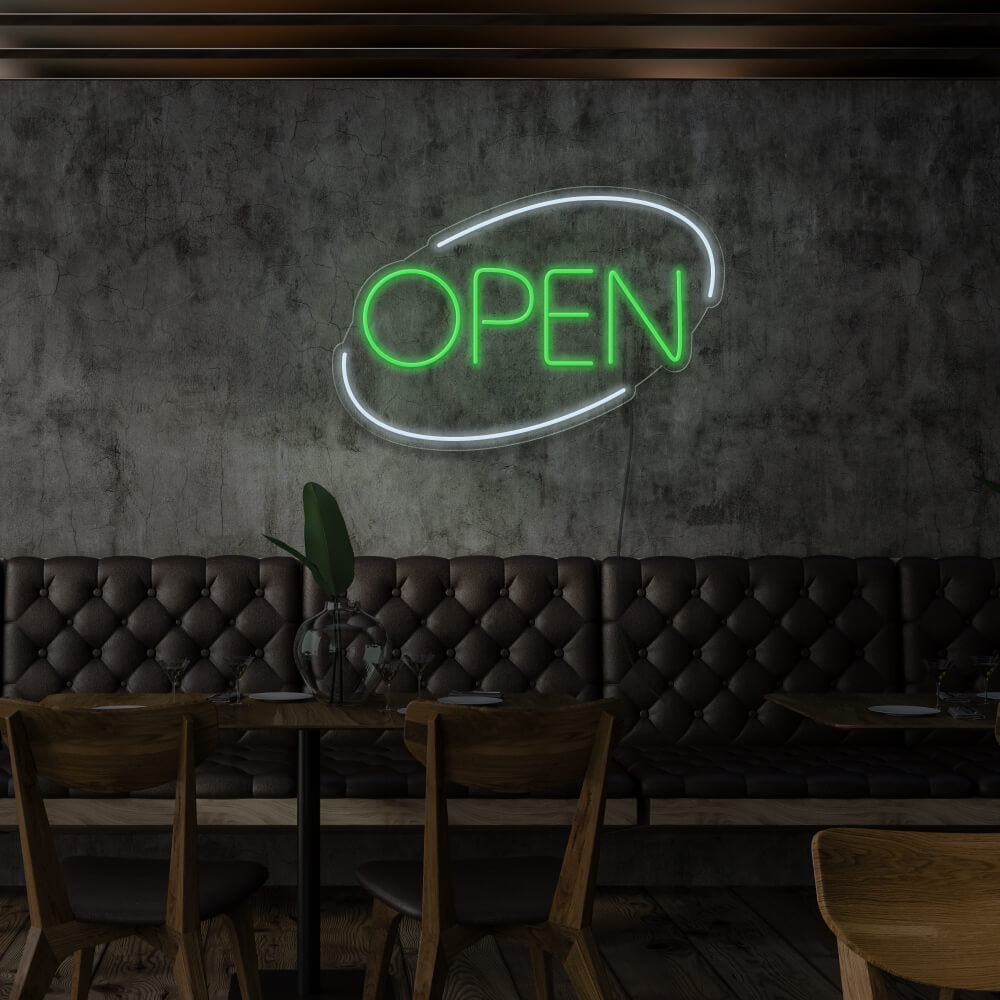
(938,670)
(239,665)
(419,663)
(985,666)
(387,670)
(175,670)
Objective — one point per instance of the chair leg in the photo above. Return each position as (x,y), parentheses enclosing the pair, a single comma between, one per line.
(432,968)
(384,921)
(37,967)
(240,922)
(859,980)
(541,967)
(585,967)
(83,969)
(189,967)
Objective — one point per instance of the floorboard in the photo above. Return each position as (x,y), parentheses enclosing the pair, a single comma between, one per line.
(685,944)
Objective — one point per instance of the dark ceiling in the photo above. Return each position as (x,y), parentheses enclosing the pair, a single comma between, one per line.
(451,39)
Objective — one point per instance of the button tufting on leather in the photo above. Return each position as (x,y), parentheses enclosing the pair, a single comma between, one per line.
(69,622)
(450,653)
(777,622)
(752,714)
(695,592)
(395,654)
(696,653)
(806,653)
(504,591)
(939,592)
(177,622)
(697,713)
(259,653)
(475,684)
(803,592)
(859,652)
(259,592)
(558,654)
(232,623)
(69,684)
(857,591)
(504,653)
(204,653)
(641,592)
(123,684)
(42,653)
(642,654)
(97,654)
(423,621)
(475,621)
(151,654)
(751,653)
(748,592)
(668,621)
(205,591)
(558,592)
(531,622)
(97,591)
(670,684)
(395,591)
(151,592)
(643,713)
(449,592)
(531,683)
(43,592)
(124,621)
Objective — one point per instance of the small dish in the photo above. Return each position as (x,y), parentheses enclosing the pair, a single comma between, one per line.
(904,710)
(280,696)
(471,699)
(113,708)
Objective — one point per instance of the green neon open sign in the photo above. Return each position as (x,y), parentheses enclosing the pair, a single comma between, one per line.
(442,345)
(618,296)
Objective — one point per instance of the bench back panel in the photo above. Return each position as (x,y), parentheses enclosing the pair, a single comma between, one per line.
(694,645)
(98,625)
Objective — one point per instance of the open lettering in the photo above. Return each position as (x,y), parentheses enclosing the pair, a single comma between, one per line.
(552,298)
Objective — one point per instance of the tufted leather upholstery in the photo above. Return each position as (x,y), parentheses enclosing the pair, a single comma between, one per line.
(950,608)
(97,625)
(793,772)
(517,624)
(694,645)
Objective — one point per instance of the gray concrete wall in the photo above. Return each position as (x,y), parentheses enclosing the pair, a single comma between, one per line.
(179,259)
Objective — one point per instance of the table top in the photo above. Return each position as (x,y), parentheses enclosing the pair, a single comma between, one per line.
(851,711)
(251,714)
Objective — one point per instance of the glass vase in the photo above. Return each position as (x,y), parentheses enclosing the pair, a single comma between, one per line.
(338,652)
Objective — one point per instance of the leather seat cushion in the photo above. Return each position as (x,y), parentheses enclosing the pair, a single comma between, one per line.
(797,771)
(236,771)
(387,771)
(134,891)
(486,891)
(980,764)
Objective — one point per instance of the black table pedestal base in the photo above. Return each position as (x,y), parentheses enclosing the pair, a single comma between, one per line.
(334,984)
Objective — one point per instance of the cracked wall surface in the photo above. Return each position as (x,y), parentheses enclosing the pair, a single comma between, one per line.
(178,260)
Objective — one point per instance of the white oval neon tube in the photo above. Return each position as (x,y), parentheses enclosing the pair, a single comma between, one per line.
(571,198)
(459,439)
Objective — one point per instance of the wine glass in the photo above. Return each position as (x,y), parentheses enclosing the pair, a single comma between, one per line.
(175,670)
(419,663)
(938,670)
(239,665)
(387,670)
(985,666)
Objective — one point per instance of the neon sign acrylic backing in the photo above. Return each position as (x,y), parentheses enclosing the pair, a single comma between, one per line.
(528,319)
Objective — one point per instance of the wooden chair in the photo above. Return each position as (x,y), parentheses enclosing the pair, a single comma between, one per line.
(79,903)
(923,906)
(545,903)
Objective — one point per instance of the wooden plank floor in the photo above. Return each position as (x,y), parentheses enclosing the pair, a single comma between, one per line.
(681,944)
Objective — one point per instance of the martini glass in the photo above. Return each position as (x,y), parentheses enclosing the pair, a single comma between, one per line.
(419,664)
(239,666)
(175,670)
(387,670)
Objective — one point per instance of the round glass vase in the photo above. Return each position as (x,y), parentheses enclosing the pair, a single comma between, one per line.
(338,652)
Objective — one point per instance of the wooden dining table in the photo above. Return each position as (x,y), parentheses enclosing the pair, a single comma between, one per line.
(310,719)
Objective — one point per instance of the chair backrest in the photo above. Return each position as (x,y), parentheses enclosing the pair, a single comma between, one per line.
(922,906)
(509,749)
(117,751)
(112,751)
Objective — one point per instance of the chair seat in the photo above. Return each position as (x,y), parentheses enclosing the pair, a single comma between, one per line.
(134,891)
(487,891)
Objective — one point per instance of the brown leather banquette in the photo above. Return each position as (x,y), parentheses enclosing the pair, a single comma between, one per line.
(692,646)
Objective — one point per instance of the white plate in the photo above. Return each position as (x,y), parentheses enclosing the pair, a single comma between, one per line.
(281,696)
(471,699)
(904,710)
(114,708)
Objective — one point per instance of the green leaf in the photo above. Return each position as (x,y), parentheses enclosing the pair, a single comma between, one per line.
(323,583)
(990,483)
(328,544)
